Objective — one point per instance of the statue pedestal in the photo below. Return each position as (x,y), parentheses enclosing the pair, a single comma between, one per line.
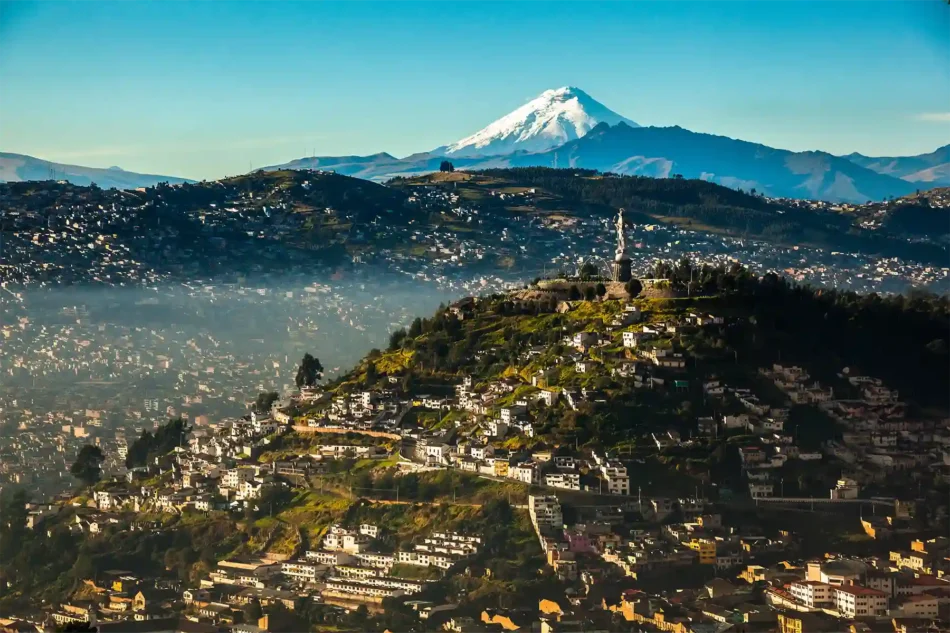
(620,270)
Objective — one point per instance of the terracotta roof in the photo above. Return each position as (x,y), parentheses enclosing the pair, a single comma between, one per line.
(919,598)
(929,581)
(856,590)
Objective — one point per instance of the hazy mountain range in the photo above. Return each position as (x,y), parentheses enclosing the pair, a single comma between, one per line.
(19,167)
(566,127)
(930,170)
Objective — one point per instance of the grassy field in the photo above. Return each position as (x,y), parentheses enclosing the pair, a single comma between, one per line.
(313,512)
(394,362)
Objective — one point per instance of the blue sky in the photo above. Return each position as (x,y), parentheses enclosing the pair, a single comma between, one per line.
(207,89)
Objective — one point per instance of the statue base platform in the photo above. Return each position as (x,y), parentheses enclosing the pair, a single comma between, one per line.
(620,270)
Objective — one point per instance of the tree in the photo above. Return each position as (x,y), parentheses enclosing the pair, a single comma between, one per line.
(446,166)
(265,400)
(588,270)
(13,513)
(396,339)
(601,290)
(87,467)
(359,617)
(574,293)
(83,568)
(149,446)
(634,287)
(309,372)
(590,293)
(372,375)
(252,612)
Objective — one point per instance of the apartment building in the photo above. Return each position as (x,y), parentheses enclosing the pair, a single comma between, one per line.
(853,601)
(812,593)
(545,511)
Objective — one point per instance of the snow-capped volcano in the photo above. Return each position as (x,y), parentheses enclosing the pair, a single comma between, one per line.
(553,118)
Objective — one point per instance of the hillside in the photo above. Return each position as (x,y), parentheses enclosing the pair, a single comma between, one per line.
(652,384)
(240,225)
(611,377)
(926,215)
(702,205)
(289,220)
(766,318)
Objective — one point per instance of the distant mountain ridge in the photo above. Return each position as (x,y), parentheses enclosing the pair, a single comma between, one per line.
(663,152)
(660,153)
(568,128)
(20,167)
(932,170)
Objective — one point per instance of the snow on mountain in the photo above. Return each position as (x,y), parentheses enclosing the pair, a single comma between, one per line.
(553,118)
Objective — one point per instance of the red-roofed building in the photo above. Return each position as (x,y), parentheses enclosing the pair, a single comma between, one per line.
(920,584)
(751,455)
(812,593)
(854,601)
(918,606)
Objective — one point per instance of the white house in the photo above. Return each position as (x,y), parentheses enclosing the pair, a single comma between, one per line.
(509,414)
(568,481)
(497,428)
(526,472)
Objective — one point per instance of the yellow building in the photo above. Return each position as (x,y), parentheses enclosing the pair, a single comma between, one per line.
(501,468)
(790,623)
(550,607)
(139,603)
(493,617)
(753,573)
(915,560)
(706,549)
(658,620)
